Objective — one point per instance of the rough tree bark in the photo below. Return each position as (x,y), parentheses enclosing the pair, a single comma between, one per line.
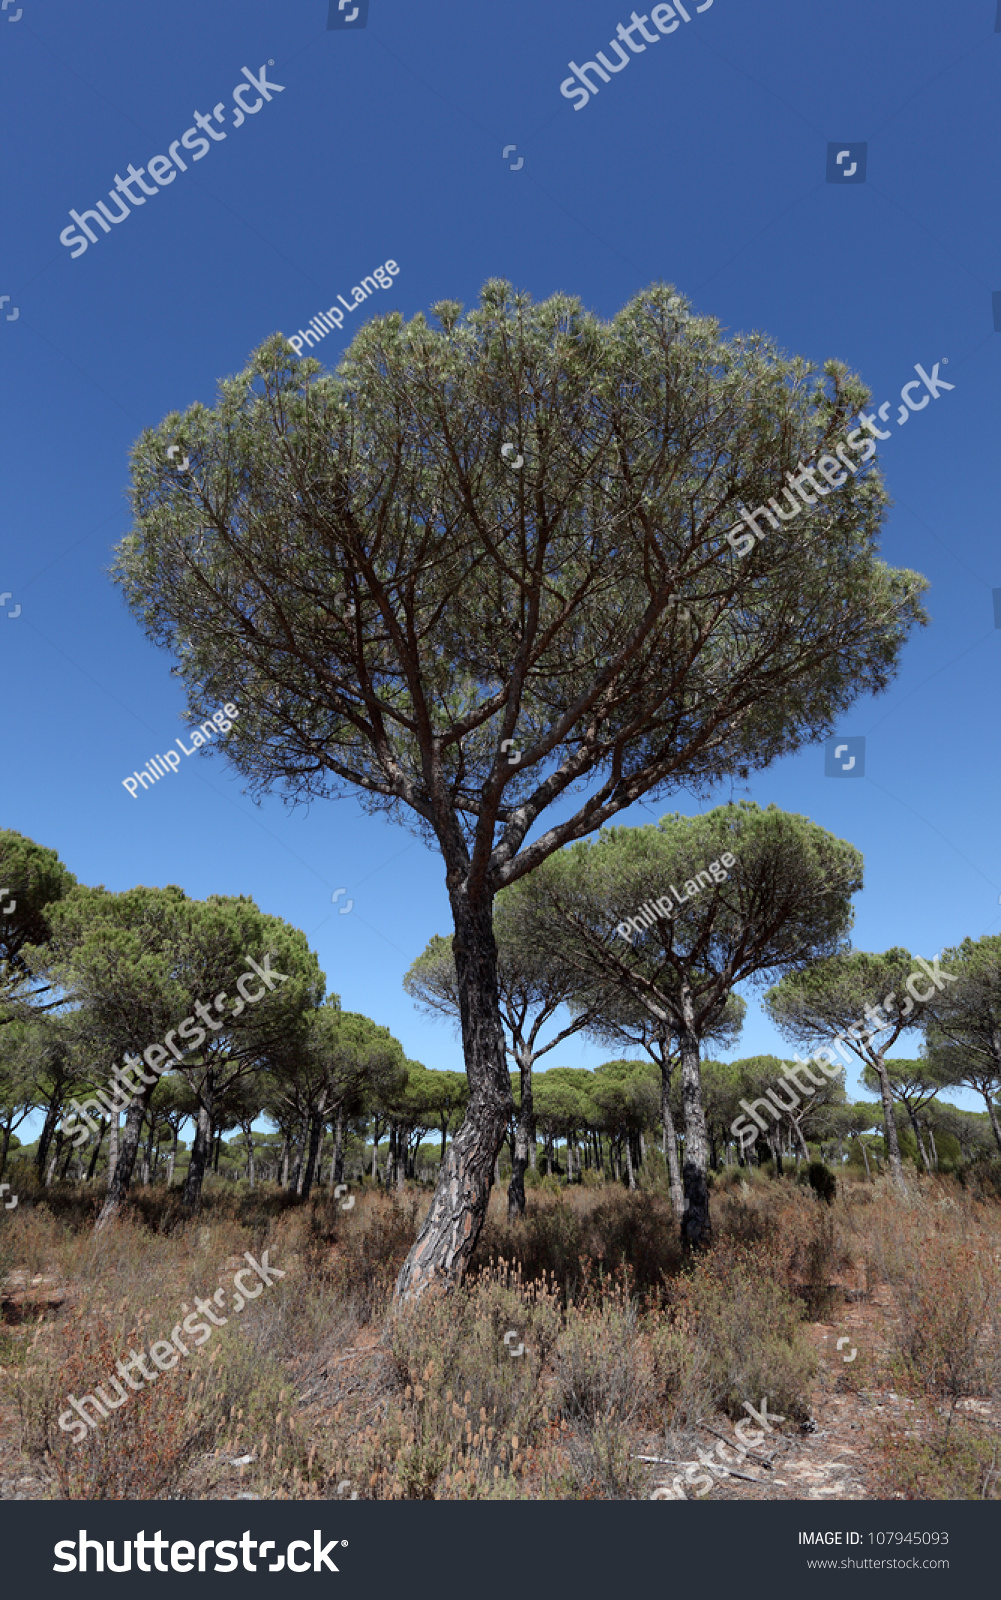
(524,1140)
(628,1146)
(337,1169)
(126,1144)
(96,1152)
(448,1235)
(315,1132)
(670,1136)
(696,1225)
(5,1144)
(890,1124)
(201,1150)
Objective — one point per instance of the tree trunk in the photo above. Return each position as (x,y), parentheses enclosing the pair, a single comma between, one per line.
(670,1140)
(696,1224)
(286,1152)
(337,1167)
(97,1150)
(775,1144)
(448,1235)
(8,1129)
(315,1130)
(113,1142)
(248,1134)
(524,1140)
(48,1129)
(201,1151)
(298,1169)
(865,1157)
(922,1152)
(627,1141)
(992,1113)
(172,1159)
(127,1146)
(890,1125)
(376,1134)
(802,1144)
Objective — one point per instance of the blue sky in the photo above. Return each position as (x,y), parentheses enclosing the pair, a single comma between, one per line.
(703,162)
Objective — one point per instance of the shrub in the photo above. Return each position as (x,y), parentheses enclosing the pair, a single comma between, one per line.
(749,1329)
(823,1182)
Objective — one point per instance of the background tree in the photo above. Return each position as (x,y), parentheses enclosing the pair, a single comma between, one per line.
(786,902)
(623,1019)
(32,878)
(178,1104)
(964,1022)
(627,1095)
(563,1108)
(863,1003)
(913,1085)
(133,965)
(19,1066)
(397,598)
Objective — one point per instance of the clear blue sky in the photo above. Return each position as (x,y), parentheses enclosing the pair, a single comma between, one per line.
(703,162)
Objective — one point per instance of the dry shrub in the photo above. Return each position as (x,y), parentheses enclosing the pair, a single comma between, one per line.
(466,1406)
(372,1242)
(936,1458)
(145,1446)
(608,1228)
(602,1366)
(461,1338)
(806,1244)
(940,1257)
(746,1330)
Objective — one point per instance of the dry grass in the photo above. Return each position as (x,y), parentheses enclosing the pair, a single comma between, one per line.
(580,1340)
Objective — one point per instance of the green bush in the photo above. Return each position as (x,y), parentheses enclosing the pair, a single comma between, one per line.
(823,1182)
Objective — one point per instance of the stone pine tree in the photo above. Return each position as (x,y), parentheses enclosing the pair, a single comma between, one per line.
(913,1085)
(624,1020)
(481,576)
(132,966)
(32,878)
(862,1003)
(778,898)
(964,1022)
